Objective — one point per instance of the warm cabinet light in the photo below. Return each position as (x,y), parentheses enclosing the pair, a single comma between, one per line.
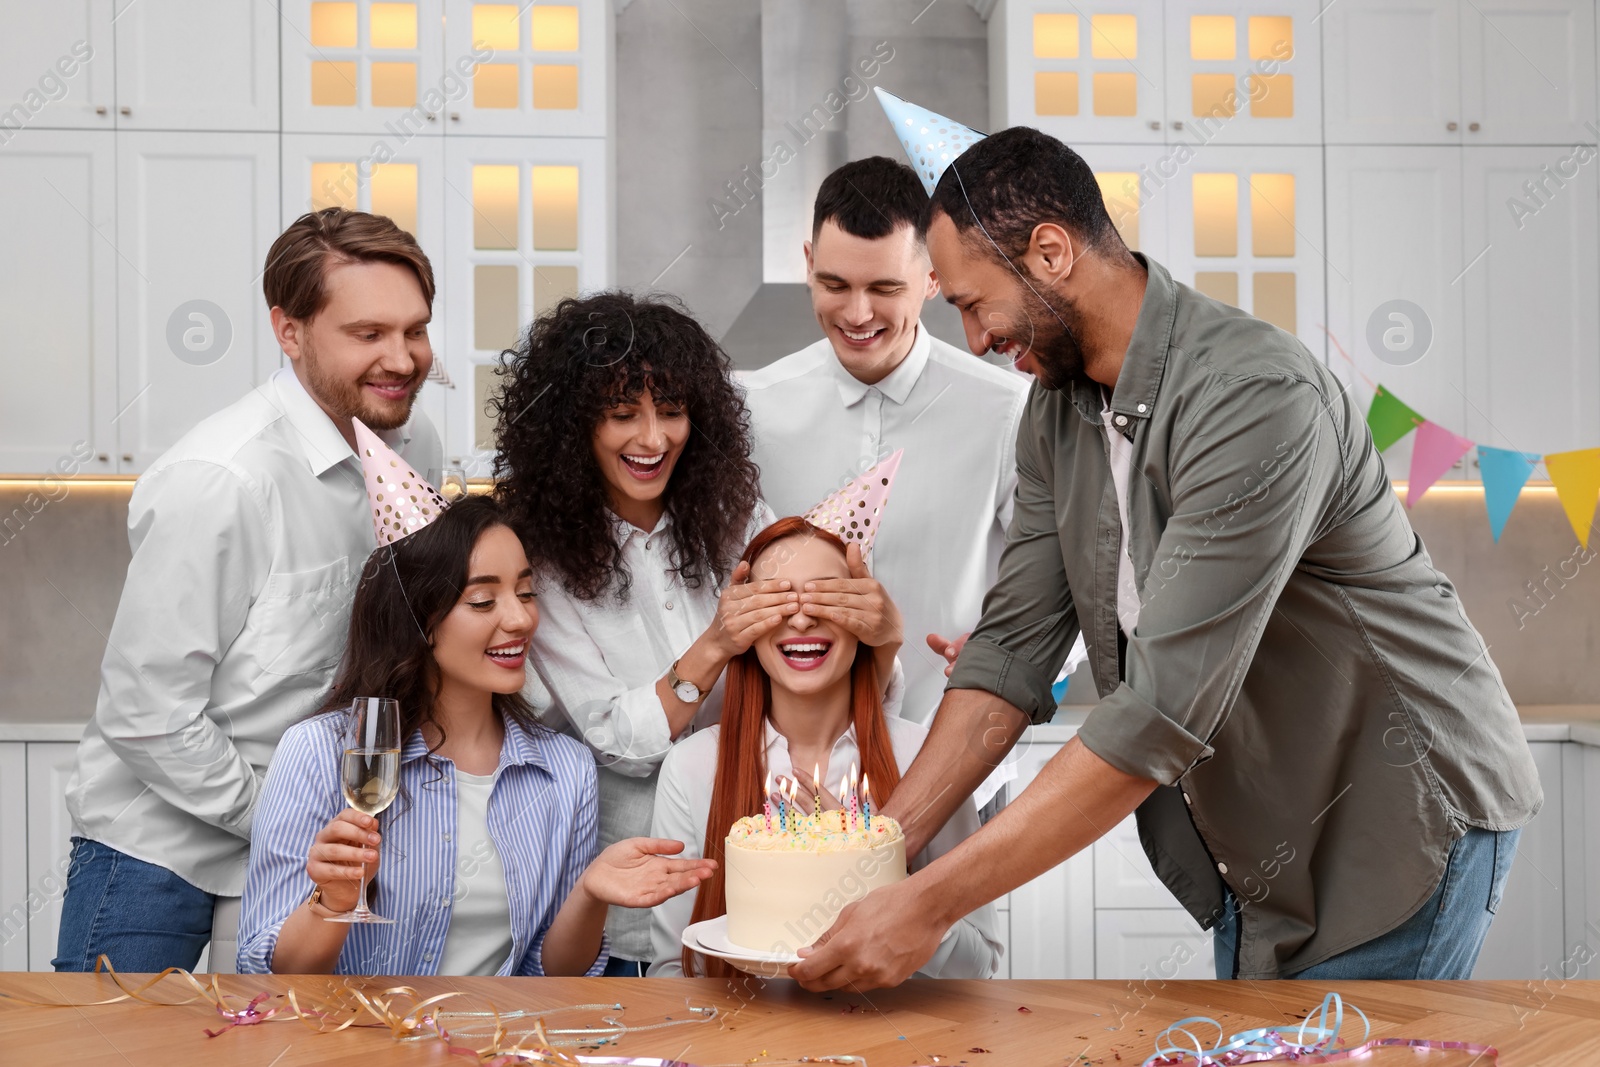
(1120,191)
(1273,299)
(1214,95)
(551,285)
(1114,36)
(333,84)
(1272,214)
(333,25)
(1116,92)
(495,204)
(555,208)
(1212,37)
(394,193)
(555,28)
(1220,285)
(555,86)
(1055,92)
(496,26)
(1271,96)
(1271,37)
(1055,36)
(333,185)
(394,85)
(495,85)
(1216,214)
(393,25)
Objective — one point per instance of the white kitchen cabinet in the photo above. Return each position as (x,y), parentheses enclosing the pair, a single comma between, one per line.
(1052,917)
(1244,72)
(197,65)
(58,301)
(535,70)
(1135,183)
(1394,234)
(1150,944)
(195,217)
(363,66)
(1580,794)
(1528,937)
(14,856)
(1392,72)
(1244,225)
(49,843)
(57,67)
(1528,72)
(1123,877)
(1083,72)
(527,222)
(1532,375)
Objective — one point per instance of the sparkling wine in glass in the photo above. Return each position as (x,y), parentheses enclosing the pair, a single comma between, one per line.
(450,481)
(369,773)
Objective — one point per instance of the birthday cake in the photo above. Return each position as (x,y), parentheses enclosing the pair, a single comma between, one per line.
(788,880)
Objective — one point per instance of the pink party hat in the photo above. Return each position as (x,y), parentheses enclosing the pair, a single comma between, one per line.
(855,511)
(402,502)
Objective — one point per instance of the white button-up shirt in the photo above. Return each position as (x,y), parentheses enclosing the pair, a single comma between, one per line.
(248,539)
(683,805)
(816,427)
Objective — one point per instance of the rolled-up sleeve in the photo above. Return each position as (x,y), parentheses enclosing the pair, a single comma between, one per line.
(1253,476)
(301,795)
(1029,619)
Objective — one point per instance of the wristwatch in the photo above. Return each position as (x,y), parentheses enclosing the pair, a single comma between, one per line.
(686,691)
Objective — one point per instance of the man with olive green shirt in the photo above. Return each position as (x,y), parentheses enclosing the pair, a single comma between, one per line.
(1292,698)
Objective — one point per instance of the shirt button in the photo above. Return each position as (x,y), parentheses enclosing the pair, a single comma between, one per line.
(444,902)
(427,957)
(447,837)
(648,545)
(1186,799)
(1222,868)
(1121,420)
(669,605)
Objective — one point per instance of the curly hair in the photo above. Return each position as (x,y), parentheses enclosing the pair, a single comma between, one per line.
(574,363)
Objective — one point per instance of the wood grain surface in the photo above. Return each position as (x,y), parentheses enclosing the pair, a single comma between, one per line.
(982,1024)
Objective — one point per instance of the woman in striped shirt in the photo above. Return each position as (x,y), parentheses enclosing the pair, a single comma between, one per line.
(489,855)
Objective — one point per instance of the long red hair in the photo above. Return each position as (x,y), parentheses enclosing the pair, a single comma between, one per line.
(742,749)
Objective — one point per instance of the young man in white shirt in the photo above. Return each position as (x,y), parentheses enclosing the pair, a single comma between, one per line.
(248,539)
(877,382)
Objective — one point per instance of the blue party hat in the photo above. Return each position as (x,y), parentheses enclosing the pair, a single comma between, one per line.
(931,141)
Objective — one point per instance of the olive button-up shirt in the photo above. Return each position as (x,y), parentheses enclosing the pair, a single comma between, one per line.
(1301,676)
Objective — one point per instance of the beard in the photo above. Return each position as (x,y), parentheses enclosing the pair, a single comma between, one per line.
(1056,326)
(347,399)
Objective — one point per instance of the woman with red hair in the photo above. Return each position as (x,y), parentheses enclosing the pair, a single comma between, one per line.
(805,696)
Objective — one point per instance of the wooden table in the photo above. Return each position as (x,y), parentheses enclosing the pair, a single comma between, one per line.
(981,1024)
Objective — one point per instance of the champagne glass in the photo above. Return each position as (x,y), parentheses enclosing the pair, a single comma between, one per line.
(369,774)
(450,481)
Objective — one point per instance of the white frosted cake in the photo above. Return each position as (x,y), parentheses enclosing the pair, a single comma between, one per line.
(786,886)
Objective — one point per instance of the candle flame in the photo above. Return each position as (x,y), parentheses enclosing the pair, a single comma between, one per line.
(866,790)
(767,785)
(852,773)
(816,775)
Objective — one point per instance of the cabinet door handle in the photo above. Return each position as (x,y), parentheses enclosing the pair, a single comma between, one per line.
(1177,125)
(125,110)
(455,116)
(103,458)
(127,457)
(1450,126)
(1473,127)
(431,116)
(100,109)
(1154,124)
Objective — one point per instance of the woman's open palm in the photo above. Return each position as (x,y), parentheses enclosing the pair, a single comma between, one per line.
(639,872)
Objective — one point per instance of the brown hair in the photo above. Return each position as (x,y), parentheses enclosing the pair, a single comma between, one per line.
(298,261)
(742,752)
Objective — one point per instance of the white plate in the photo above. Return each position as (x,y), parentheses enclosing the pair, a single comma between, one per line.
(711,938)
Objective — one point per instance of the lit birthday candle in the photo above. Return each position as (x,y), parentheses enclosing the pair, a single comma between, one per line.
(866,804)
(766,801)
(783,810)
(855,811)
(816,789)
(844,819)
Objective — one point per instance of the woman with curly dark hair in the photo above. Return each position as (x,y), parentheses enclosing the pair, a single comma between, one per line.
(624,464)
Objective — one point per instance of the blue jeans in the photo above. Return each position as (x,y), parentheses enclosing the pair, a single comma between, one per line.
(1440,941)
(620,968)
(143,917)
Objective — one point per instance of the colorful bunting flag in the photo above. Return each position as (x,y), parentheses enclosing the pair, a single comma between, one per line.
(1504,474)
(1389,419)
(1435,451)
(1577,479)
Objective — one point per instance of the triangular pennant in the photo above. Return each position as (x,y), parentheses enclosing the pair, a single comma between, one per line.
(1389,419)
(932,142)
(1435,451)
(1504,474)
(854,512)
(1577,479)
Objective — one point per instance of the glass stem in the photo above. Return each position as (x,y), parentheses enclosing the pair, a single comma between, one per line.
(361,902)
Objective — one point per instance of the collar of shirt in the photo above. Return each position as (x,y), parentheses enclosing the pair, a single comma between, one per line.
(324,446)
(1145,363)
(519,748)
(776,742)
(897,384)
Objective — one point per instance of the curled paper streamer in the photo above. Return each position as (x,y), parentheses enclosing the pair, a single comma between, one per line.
(399,1010)
(1311,1043)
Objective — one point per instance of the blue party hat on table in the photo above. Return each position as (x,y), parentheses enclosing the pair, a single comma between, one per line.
(932,142)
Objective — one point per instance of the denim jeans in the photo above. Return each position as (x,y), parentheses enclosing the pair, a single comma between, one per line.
(1440,941)
(141,916)
(620,968)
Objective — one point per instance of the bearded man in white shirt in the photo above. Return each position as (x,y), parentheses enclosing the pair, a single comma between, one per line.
(878,382)
(248,538)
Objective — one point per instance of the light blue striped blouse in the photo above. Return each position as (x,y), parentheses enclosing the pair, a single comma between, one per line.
(542,819)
